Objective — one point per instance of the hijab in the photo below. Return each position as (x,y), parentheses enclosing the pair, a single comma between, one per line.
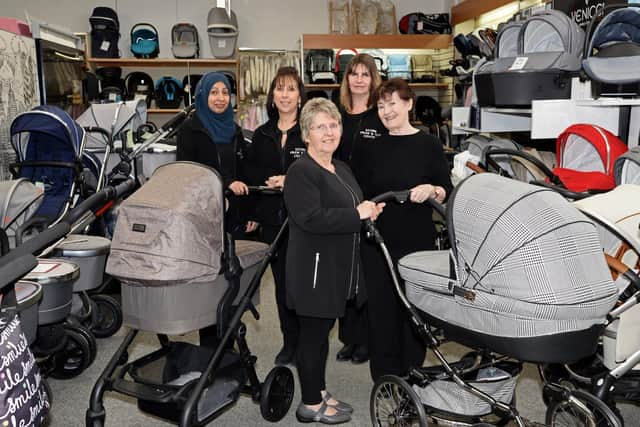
(220,126)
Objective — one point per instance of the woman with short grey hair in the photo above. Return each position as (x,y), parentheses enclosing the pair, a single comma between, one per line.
(323,268)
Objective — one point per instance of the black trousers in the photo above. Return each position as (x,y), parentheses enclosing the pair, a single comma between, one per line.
(394,346)
(288,318)
(311,357)
(354,325)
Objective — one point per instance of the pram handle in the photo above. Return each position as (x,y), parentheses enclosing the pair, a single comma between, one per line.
(567,194)
(257,189)
(524,155)
(38,243)
(398,196)
(98,200)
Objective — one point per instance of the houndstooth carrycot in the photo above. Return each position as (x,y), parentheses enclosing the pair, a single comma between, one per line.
(530,280)
(167,250)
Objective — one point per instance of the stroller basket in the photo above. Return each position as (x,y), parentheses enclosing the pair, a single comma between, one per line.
(498,381)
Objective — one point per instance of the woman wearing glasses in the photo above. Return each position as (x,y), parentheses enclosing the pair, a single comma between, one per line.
(323,271)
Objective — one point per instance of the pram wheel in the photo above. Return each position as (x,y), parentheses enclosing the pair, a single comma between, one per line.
(91,340)
(74,358)
(581,409)
(276,395)
(108,316)
(394,403)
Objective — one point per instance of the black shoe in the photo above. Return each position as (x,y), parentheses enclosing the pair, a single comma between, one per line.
(345,353)
(360,354)
(285,356)
(306,415)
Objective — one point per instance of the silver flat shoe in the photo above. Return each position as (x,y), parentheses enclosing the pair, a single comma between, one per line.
(340,405)
(306,415)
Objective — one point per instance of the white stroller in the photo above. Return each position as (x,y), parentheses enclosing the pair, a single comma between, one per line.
(180,272)
(525,279)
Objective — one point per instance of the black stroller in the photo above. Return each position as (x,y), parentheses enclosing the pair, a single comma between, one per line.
(525,280)
(181,272)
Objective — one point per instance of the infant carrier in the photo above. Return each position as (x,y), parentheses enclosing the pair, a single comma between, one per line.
(399,65)
(419,23)
(626,168)
(319,66)
(49,146)
(422,69)
(612,56)
(140,86)
(144,41)
(168,92)
(105,33)
(111,86)
(180,272)
(185,42)
(538,56)
(222,30)
(343,57)
(585,157)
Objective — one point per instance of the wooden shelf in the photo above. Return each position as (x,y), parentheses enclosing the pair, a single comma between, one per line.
(329,86)
(470,9)
(164,110)
(376,41)
(161,62)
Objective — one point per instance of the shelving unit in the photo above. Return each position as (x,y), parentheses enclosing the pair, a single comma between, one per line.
(438,45)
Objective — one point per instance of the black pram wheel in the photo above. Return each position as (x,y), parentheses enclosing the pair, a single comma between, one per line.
(276,395)
(394,403)
(108,319)
(581,409)
(93,346)
(74,358)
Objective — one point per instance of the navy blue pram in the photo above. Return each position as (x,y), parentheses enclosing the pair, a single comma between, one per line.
(49,152)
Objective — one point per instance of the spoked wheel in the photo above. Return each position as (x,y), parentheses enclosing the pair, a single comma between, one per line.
(108,316)
(276,394)
(394,403)
(74,358)
(93,346)
(581,409)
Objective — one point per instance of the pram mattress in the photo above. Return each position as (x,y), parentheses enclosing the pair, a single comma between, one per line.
(180,309)
(528,264)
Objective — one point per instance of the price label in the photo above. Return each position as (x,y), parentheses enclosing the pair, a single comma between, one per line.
(519,63)
(222,43)
(105,45)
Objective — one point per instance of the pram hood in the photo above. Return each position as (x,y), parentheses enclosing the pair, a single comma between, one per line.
(549,40)
(479,146)
(617,214)
(585,155)
(528,264)
(170,231)
(620,27)
(19,200)
(44,122)
(626,168)
(116,118)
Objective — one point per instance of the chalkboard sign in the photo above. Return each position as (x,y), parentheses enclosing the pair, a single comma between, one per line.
(582,11)
(23,398)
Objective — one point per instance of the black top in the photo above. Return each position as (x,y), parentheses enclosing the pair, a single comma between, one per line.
(194,144)
(356,129)
(323,257)
(266,157)
(394,163)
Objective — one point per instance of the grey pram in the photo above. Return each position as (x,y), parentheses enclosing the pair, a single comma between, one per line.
(181,272)
(525,280)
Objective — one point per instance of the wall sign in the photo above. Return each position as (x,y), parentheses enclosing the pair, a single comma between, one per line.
(582,11)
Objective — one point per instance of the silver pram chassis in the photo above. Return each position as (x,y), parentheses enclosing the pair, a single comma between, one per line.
(396,401)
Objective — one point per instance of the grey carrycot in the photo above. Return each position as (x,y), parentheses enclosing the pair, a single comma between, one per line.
(626,168)
(167,250)
(530,278)
(612,56)
(539,56)
(19,200)
(222,30)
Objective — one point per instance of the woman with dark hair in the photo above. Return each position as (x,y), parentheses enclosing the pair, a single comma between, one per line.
(212,138)
(360,124)
(405,158)
(276,145)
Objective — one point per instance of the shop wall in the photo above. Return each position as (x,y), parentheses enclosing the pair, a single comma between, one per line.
(262,23)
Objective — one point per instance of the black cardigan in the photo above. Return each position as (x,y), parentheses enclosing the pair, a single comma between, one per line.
(323,257)
(266,157)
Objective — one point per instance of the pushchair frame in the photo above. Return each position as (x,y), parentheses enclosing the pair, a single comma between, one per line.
(409,408)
